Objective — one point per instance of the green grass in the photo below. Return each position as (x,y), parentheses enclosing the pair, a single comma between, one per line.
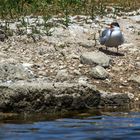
(16,8)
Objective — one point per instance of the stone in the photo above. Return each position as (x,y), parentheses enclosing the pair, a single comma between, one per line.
(97,58)
(2,55)
(135,78)
(33,97)
(99,72)
(83,80)
(73,56)
(3,36)
(138,65)
(48,97)
(14,72)
(87,43)
(27,65)
(77,72)
(62,75)
(135,18)
(115,99)
(10,61)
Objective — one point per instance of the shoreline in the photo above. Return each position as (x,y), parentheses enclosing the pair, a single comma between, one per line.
(44,97)
(56,72)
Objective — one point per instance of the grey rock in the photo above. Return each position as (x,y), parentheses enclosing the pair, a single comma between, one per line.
(83,80)
(77,72)
(135,78)
(9,61)
(14,72)
(138,65)
(87,43)
(99,72)
(115,99)
(135,18)
(62,75)
(3,36)
(73,56)
(46,97)
(97,58)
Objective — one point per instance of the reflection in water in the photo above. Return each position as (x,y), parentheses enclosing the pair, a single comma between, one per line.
(84,126)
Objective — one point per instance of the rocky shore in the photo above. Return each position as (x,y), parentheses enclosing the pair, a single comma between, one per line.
(69,69)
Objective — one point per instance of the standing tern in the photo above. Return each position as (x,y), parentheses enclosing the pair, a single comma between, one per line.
(112,37)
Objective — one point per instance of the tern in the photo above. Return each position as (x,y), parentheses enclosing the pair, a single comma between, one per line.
(112,37)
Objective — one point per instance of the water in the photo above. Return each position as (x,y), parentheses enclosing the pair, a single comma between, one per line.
(83,126)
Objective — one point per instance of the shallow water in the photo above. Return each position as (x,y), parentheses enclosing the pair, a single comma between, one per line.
(83,126)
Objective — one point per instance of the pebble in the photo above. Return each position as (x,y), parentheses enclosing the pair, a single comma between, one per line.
(99,72)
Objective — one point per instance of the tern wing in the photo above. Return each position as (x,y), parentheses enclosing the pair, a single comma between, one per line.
(104,36)
(121,38)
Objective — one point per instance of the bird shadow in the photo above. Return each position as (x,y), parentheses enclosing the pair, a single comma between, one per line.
(108,52)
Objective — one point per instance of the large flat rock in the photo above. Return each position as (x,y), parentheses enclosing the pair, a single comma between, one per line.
(33,97)
(12,72)
(98,58)
(46,97)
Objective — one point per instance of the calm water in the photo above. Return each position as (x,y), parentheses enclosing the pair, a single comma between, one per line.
(84,126)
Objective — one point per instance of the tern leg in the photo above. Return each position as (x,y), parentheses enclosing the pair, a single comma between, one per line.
(117,49)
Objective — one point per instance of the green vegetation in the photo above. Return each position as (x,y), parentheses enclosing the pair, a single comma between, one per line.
(22,11)
(16,8)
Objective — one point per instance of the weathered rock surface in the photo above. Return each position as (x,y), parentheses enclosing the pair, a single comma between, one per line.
(3,36)
(113,99)
(50,97)
(62,75)
(14,72)
(46,97)
(135,78)
(97,58)
(99,72)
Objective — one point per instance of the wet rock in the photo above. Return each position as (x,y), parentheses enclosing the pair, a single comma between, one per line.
(13,72)
(47,97)
(135,78)
(99,72)
(7,115)
(97,58)
(115,99)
